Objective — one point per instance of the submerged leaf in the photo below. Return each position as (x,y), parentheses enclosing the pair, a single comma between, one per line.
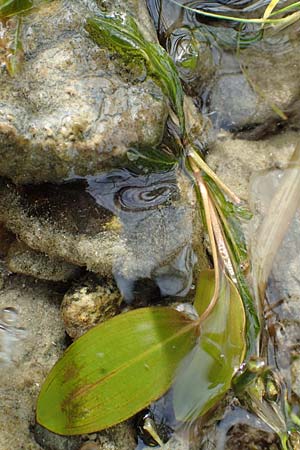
(16,53)
(205,375)
(115,370)
(121,33)
(10,8)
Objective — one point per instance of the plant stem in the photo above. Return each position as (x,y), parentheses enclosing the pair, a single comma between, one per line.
(193,156)
(207,209)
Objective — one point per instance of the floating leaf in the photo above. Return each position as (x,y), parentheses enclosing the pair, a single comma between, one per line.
(205,375)
(115,370)
(10,8)
(121,33)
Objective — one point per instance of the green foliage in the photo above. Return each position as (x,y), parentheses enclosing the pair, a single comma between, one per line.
(115,370)
(266,19)
(119,367)
(151,159)
(15,57)
(207,372)
(10,8)
(120,33)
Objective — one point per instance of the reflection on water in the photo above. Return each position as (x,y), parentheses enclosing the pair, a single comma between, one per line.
(149,205)
(10,335)
(226,65)
(283,291)
(124,192)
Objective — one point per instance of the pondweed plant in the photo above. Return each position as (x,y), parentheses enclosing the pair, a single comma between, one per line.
(119,367)
(15,9)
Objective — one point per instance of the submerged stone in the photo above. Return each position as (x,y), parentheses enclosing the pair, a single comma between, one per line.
(104,224)
(71,111)
(88,304)
(22,259)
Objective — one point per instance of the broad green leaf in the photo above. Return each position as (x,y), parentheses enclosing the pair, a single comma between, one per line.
(231,216)
(121,34)
(115,370)
(12,7)
(205,375)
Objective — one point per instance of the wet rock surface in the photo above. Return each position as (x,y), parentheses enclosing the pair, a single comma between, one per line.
(22,259)
(119,437)
(20,381)
(104,223)
(69,112)
(228,72)
(236,160)
(88,304)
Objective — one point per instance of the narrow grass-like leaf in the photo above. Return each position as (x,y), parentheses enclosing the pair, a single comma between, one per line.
(151,158)
(16,54)
(234,18)
(121,34)
(115,370)
(275,225)
(270,8)
(205,375)
(12,7)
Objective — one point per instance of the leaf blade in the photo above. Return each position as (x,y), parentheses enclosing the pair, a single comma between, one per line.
(91,388)
(122,34)
(205,375)
(10,8)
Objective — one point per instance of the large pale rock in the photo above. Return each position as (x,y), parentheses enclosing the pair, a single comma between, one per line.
(70,110)
(22,259)
(133,226)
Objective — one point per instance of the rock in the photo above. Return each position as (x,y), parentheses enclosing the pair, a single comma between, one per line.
(233,87)
(51,441)
(103,223)
(6,239)
(21,380)
(295,369)
(244,96)
(88,304)
(22,259)
(62,222)
(236,160)
(90,446)
(69,112)
(119,437)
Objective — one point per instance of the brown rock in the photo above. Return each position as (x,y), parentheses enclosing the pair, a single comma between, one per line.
(89,304)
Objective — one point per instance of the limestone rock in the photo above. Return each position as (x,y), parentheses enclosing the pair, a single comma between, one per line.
(236,160)
(6,239)
(103,223)
(69,112)
(22,259)
(88,304)
(62,223)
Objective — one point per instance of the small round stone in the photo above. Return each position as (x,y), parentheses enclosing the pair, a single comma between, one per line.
(90,446)
(85,306)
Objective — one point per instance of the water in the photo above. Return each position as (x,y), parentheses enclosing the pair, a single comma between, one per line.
(228,69)
(226,66)
(10,335)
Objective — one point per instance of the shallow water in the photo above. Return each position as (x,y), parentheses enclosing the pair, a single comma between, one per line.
(228,70)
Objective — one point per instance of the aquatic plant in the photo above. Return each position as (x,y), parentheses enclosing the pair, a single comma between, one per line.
(15,9)
(121,366)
